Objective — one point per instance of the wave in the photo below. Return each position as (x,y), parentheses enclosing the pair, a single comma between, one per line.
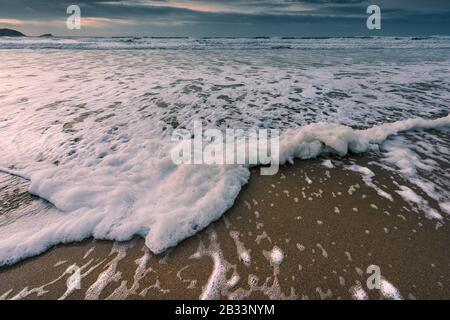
(257,43)
(140,191)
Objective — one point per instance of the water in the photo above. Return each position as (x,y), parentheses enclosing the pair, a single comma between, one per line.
(88,121)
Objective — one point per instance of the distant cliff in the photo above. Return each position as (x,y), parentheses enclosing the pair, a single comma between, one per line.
(11,33)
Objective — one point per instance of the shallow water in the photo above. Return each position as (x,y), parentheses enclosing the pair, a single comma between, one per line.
(310,232)
(91,128)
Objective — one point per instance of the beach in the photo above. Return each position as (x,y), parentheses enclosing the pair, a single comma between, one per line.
(93,204)
(310,232)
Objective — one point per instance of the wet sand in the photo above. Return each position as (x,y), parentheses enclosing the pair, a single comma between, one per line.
(310,232)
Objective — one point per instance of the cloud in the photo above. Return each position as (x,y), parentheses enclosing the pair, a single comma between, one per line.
(224,17)
(27,22)
(90,22)
(94,22)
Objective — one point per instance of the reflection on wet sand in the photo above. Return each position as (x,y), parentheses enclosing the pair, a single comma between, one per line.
(310,232)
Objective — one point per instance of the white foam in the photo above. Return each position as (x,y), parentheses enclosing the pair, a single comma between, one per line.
(218,283)
(274,43)
(410,196)
(425,173)
(368,175)
(328,164)
(388,290)
(359,293)
(276,256)
(94,138)
(244,254)
(312,140)
(150,196)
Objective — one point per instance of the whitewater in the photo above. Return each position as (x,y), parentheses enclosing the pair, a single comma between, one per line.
(89,121)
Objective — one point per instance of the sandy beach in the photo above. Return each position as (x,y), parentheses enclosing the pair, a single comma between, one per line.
(110,186)
(310,232)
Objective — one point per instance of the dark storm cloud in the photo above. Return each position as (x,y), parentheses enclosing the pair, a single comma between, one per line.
(228,17)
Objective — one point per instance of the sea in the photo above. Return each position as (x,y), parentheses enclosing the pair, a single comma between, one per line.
(88,123)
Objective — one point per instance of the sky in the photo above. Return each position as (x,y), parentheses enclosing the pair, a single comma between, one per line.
(227,18)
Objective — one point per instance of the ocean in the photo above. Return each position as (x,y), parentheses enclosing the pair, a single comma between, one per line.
(88,122)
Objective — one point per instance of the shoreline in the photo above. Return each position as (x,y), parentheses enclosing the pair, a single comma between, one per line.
(282,239)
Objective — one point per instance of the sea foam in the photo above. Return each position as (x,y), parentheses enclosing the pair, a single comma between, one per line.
(91,129)
(146,194)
